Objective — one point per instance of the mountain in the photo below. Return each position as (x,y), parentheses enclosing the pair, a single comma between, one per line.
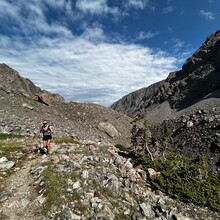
(23,106)
(196,84)
(187,103)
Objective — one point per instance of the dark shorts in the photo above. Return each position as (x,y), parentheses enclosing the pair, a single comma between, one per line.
(47,137)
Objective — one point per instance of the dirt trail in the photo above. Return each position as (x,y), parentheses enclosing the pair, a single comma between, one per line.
(22,202)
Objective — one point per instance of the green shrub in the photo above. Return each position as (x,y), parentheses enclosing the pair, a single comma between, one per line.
(182,178)
(8,136)
(121,147)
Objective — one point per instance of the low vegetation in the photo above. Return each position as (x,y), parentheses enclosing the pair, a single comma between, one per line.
(182,178)
(9,136)
(8,148)
(57,189)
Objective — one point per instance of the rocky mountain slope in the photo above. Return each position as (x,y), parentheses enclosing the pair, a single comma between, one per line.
(195,84)
(188,100)
(23,106)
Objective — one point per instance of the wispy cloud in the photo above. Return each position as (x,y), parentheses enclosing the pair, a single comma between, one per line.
(181,49)
(168,9)
(207,15)
(88,66)
(170,29)
(147,35)
(95,7)
(139,4)
(81,70)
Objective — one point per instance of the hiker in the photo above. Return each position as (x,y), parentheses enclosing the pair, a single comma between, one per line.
(46,133)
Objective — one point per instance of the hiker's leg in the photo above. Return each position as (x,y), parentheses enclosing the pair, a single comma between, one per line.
(44,143)
(48,146)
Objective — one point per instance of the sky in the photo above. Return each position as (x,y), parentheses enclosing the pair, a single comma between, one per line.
(97,51)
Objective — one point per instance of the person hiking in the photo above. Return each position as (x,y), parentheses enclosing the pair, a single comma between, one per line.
(46,133)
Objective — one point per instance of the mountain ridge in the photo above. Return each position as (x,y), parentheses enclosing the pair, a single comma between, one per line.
(197,80)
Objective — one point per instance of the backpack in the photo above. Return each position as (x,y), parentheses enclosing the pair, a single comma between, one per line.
(46,130)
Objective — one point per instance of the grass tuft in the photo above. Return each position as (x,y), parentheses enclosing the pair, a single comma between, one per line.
(7,149)
(9,136)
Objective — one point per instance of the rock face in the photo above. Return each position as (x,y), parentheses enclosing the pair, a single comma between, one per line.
(132,103)
(198,81)
(23,106)
(12,83)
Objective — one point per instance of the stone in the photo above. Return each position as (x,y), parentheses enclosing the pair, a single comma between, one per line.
(189,124)
(118,161)
(41,199)
(108,128)
(181,217)
(128,164)
(55,159)
(85,174)
(44,98)
(67,214)
(143,174)
(152,172)
(147,210)
(3,160)
(7,165)
(25,105)
(3,196)
(76,185)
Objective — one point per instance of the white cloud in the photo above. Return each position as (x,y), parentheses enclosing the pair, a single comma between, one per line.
(207,15)
(175,44)
(89,66)
(147,35)
(95,34)
(138,4)
(168,9)
(84,71)
(96,7)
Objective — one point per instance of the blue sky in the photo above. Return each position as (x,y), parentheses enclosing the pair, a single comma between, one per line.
(100,50)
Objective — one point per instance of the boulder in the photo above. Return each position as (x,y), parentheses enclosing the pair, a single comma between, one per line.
(108,128)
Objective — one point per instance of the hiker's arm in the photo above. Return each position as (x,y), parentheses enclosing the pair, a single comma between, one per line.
(51,130)
(41,133)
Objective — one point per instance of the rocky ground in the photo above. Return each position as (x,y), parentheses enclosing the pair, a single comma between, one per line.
(82,180)
(196,131)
